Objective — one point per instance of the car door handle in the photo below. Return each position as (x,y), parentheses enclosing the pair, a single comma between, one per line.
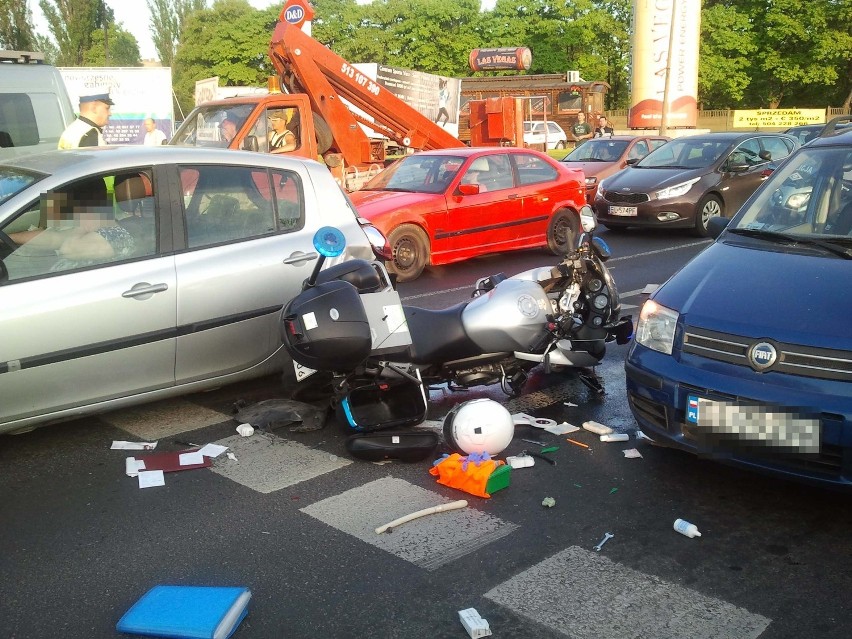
(143,288)
(513,196)
(299,258)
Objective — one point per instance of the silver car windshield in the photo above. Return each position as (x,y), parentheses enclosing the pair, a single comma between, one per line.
(13,181)
(808,195)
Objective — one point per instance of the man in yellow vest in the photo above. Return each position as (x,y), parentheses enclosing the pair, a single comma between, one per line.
(87,129)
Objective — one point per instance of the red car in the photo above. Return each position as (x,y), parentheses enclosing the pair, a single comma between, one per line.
(438,207)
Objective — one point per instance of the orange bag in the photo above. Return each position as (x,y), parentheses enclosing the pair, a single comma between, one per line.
(469,474)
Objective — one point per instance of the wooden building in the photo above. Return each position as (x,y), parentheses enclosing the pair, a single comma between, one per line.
(550,95)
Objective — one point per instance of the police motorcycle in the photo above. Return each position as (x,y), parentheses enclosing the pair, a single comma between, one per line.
(348,321)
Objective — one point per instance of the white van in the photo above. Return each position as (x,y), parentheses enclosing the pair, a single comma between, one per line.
(34,104)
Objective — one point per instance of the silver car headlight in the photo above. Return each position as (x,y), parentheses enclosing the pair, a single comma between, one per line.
(656,327)
(677,190)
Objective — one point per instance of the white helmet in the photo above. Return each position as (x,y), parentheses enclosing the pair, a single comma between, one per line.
(479,426)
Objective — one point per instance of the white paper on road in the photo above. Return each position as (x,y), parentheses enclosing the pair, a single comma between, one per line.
(190,459)
(632,453)
(122,445)
(132,466)
(562,429)
(150,478)
(212,450)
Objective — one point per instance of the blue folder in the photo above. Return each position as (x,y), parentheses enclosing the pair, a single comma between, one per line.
(187,612)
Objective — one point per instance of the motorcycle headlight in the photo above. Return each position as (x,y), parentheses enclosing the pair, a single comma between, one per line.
(677,190)
(600,302)
(656,327)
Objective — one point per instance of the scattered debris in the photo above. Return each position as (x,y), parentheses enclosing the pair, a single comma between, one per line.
(597,428)
(615,437)
(122,445)
(686,529)
(607,537)
(562,429)
(632,453)
(475,625)
(151,478)
(576,443)
(569,404)
(526,453)
(520,461)
(213,450)
(232,457)
(276,413)
(453,505)
(612,491)
(533,441)
(245,430)
(548,502)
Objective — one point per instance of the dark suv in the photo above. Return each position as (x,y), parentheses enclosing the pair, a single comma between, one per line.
(745,354)
(689,180)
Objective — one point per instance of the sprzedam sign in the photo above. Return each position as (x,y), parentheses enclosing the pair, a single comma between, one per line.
(757,118)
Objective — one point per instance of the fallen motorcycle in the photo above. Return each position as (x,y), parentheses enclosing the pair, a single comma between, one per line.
(349,321)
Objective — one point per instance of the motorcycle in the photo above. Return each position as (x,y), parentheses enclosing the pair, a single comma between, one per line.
(348,321)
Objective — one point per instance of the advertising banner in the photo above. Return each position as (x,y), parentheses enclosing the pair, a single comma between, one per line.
(513,58)
(138,93)
(652,30)
(758,118)
(436,97)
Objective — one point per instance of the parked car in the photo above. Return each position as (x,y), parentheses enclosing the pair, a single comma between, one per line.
(745,355)
(539,132)
(807,132)
(690,180)
(129,274)
(601,157)
(438,207)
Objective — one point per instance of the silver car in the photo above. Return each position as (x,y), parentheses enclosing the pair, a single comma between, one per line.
(130,274)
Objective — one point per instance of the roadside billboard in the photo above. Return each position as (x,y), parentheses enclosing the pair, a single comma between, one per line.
(138,93)
(757,118)
(652,30)
(436,97)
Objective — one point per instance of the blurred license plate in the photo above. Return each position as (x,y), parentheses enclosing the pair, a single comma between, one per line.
(623,211)
(753,424)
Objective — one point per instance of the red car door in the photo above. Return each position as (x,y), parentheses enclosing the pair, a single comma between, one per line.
(490,220)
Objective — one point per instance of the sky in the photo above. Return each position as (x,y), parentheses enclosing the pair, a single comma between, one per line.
(135,18)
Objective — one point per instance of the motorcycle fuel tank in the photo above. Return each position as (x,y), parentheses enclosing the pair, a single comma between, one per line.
(510,317)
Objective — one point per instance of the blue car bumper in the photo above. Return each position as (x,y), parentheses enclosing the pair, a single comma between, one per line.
(782,424)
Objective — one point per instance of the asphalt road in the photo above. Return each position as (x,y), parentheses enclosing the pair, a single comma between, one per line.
(293,519)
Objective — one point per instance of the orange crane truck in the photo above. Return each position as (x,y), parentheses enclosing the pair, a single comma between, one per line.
(311,117)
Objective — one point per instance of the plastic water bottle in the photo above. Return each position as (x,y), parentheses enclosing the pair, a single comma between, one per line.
(685,528)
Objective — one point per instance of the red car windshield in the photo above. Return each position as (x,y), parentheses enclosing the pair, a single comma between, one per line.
(417,174)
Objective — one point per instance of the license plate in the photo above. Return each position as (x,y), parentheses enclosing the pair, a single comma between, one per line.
(623,211)
(753,426)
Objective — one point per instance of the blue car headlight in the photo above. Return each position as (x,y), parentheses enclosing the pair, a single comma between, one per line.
(656,327)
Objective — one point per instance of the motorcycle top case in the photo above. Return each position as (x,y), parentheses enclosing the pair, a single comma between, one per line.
(407,446)
(325,327)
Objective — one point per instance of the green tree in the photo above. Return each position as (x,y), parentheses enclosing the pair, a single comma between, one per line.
(167,20)
(71,22)
(123,49)
(229,40)
(726,52)
(16,32)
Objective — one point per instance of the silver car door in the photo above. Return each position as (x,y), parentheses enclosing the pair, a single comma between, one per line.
(77,331)
(248,253)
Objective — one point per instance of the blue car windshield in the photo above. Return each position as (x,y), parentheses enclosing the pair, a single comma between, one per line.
(600,150)
(810,194)
(685,153)
(13,181)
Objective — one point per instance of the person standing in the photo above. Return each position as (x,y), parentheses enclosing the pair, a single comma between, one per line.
(604,128)
(153,135)
(87,129)
(581,130)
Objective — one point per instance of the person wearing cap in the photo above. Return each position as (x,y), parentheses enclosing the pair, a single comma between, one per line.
(281,139)
(87,129)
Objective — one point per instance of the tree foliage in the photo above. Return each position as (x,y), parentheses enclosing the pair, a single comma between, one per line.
(167,21)
(123,49)
(16,33)
(71,22)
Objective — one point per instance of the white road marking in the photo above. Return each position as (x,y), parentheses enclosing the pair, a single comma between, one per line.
(430,542)
(584,595)
(268,463)
(165,418)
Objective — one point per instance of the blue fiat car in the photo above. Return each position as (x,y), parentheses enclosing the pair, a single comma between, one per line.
(745,355)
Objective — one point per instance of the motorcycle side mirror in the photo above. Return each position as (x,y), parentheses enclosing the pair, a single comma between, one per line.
(329,242)
(587,218)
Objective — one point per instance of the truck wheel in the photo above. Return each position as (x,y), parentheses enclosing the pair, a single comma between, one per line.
(325,138)
(709,206)
(410,252)
(562,232)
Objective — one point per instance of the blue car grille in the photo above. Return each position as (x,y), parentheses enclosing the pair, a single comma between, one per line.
(625,198)
(793,359)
